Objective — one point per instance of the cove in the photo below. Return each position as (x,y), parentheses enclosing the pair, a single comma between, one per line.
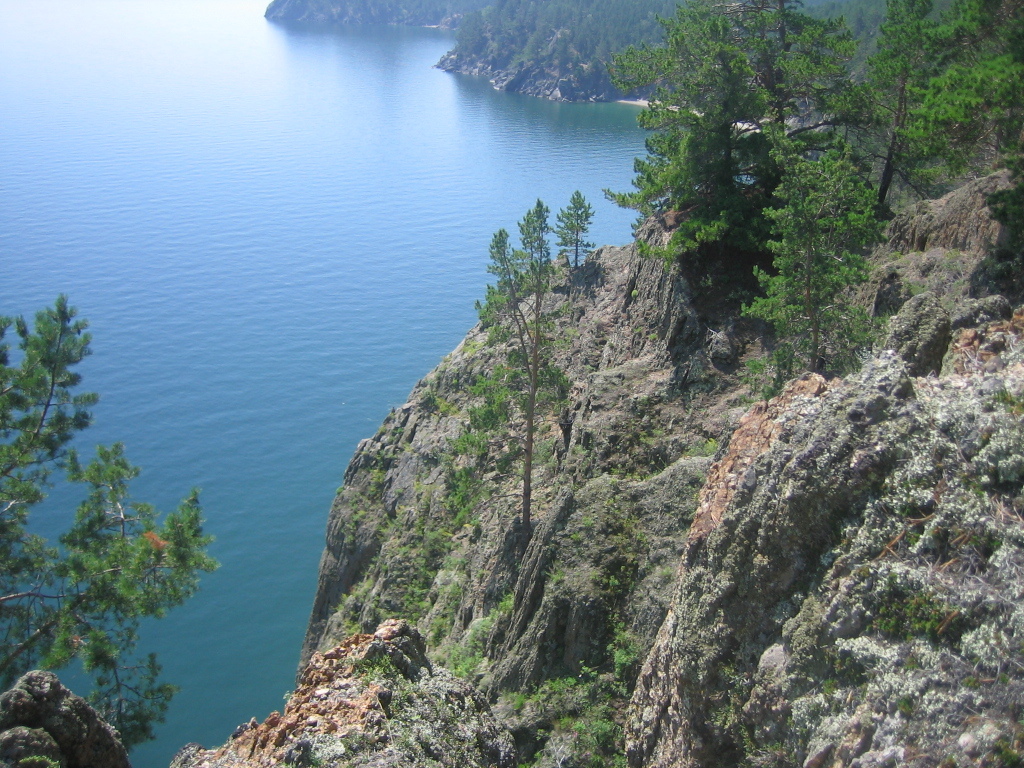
(274,233)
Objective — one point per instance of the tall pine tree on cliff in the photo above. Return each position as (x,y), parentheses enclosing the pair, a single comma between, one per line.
(514,311)
(573,223)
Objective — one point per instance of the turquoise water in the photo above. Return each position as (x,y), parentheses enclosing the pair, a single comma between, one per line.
(274,234)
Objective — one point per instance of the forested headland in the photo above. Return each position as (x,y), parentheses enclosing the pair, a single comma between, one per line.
(560,49)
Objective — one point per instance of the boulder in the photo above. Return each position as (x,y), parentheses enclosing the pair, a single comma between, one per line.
(40,718)
(920,334)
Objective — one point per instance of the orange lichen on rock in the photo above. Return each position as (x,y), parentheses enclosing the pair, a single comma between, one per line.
(756,433)
(331,697)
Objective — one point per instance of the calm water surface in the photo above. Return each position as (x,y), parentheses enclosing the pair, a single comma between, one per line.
(274,234)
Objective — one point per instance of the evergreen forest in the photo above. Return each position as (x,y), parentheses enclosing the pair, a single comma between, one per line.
(572,37)
(767,154)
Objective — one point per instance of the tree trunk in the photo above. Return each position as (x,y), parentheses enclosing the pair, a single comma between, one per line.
(812,314)
(889,167)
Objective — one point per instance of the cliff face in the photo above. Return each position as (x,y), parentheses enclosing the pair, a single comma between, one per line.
(850,589)
(838,583)
(851,586)
(619,466)
(590,83)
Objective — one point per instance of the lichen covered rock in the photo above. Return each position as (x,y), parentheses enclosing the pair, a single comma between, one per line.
(945,247)
(920,334)
(43,723)
(374,700)
(851,593)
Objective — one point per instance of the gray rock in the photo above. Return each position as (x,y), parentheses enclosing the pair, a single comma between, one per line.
(920,334)
(940,246)
(841,556)
(188,755)
(960,220)
(19,743)
(39,717)
(979,311)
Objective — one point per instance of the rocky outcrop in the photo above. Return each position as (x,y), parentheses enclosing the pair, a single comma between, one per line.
(855,599)
(544,80)
(649,391)
(959,221)
(947,247)
(43,723)
(373,701)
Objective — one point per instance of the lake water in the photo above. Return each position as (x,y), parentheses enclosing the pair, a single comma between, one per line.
(274,233)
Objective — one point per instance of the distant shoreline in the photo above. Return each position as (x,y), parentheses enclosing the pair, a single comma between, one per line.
(634,102)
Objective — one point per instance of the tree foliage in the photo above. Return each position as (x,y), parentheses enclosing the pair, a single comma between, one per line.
(83,598)
(725,75)
(973,107)
(571,37)
(898,74)
(825,218)
(514,311)
(573,224)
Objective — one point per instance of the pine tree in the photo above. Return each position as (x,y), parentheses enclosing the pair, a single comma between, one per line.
(824,219)
(514,311)
(725,76)
(972,111)
(116,563)
(898,73)
(573,226)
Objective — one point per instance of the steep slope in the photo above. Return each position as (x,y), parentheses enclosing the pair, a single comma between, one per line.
(620,462)
(854,596)
(724,568)
(851,585)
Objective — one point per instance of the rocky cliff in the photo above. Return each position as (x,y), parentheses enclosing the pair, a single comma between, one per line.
(650,390)
(850,591)
(797,578)
(373,701)
(543,79)
(851,588)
